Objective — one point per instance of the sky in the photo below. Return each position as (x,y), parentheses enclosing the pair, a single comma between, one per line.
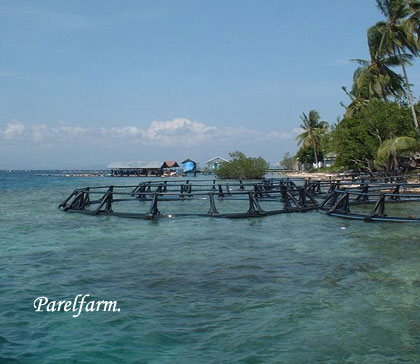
(86,83)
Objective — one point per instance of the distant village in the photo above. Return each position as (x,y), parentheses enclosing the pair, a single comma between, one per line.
(188,167)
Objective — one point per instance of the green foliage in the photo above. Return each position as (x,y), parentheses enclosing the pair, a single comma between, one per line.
(287,161)
(314,132)
(378,126)
(375,78)
(306,155)
(357,139)
(242,167)
(392,42)
(400,25)
(397,146)
(392,149)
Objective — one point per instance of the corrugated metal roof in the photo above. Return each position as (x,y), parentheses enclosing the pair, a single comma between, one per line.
(211,160)
(135,165)
(170,164)
(189,160)
(331,155)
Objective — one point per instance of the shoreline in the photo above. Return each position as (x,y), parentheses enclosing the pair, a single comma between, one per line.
(325,176)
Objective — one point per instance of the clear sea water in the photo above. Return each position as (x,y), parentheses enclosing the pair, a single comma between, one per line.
(292,288)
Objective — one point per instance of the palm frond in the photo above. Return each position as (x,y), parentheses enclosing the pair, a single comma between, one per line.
(397,146)
(362,62)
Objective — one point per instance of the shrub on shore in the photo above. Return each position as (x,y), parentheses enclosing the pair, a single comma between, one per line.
(242,167)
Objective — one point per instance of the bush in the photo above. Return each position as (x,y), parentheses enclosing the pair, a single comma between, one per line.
(242,167)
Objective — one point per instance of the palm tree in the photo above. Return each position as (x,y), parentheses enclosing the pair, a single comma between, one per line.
(358,101)
(391,149)
(400,34)
(313,131)
(413,20)
(375,78)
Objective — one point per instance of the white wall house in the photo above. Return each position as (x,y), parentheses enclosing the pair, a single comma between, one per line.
(214,163)
(329,159)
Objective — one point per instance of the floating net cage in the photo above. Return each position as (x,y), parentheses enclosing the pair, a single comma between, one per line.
(358,197)
(394,202)
(151,199)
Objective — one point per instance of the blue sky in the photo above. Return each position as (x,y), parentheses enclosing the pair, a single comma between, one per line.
(84,83)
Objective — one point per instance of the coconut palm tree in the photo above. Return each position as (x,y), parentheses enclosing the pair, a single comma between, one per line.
(413,20)
(375,78)
(391,149)
(400,35)
(313,131)
(357,101)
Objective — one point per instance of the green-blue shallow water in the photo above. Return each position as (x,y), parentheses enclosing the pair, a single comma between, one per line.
(292,288)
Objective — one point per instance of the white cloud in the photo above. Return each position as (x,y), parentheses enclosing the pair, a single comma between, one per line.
(175,132)
(187,132)
(297,131)
(70,130)
(179,131)
(121,131)
(39,132)
(13,129)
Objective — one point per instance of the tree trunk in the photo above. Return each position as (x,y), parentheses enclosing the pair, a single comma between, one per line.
(315,151)
(410,95)
(389,163)
(383,93)
(394,156)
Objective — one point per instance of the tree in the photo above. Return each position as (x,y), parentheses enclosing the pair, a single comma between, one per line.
(287,161)
(306,155)
(413,20)
(313,131)
(375,78)
(400,34)
(242,167)
(356,139)
(391,149)
(357,98)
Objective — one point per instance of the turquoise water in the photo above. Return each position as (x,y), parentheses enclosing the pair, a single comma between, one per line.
(293,288)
